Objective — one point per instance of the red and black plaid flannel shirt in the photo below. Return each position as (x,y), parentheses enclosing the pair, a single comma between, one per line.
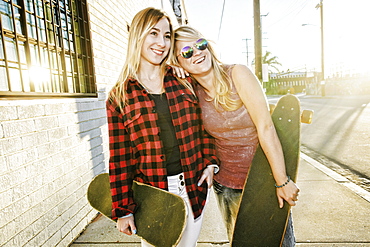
(136,150)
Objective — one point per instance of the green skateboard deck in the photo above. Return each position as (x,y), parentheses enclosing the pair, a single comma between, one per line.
(260,221)
(160,217)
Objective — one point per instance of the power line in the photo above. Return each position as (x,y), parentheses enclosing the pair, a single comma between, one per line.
(222,15)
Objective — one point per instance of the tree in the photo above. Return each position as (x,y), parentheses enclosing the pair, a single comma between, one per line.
(271,61)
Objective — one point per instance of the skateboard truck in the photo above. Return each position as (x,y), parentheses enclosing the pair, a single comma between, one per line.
(306,115)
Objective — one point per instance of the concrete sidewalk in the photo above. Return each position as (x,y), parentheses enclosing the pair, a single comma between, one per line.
(331,211)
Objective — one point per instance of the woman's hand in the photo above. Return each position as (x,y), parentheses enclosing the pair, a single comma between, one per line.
(208,176)
(289,193)
(126,225)
(180,72)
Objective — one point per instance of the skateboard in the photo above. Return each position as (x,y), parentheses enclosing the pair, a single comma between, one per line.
(160,217)
(260,221)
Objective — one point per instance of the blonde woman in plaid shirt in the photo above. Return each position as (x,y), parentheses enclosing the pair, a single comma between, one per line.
(155,130)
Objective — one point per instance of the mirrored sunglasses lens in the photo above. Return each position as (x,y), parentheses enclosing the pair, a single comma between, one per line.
(187,52)
(201,44)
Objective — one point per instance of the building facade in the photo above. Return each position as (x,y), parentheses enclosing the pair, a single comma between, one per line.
(58,60)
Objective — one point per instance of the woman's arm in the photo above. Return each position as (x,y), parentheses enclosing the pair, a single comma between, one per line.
(254,99)
(121,170)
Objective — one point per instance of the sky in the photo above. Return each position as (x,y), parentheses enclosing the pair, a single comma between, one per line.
(298,47)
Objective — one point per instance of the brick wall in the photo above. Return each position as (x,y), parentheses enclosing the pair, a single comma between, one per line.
(50,149)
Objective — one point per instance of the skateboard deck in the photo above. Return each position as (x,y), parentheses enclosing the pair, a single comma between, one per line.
(260,221)
(160,216)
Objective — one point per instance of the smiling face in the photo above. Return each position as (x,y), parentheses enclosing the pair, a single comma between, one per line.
(157,43)
(199,63)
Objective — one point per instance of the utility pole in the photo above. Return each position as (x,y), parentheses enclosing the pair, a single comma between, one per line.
(257,39)
(322,82)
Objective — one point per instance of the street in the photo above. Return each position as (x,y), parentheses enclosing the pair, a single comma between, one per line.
(339,134)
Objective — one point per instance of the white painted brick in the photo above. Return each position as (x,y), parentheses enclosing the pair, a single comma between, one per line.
(11,145)
(34,139)
(6,181)
(44,123)
(37,240)
(17,128)
(9,230)
(73,129)
(54,109)
(30,111)
(48,149)
(1,131)
(23,236)
(85,106)
(57,134)
(21,158)
(4,167)
(69,107)
(53,240)
(67,119)
(8,113)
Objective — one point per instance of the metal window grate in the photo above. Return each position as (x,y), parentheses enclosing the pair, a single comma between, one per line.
(45,49)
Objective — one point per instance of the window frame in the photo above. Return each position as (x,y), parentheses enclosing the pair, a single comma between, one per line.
(56,39)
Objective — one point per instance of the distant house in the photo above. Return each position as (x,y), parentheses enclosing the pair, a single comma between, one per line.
(295,82)
(58,60)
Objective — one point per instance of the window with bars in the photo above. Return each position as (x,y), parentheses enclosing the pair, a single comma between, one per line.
(45,49)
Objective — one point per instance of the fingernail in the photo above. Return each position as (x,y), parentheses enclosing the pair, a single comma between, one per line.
(134,231)
(198,184)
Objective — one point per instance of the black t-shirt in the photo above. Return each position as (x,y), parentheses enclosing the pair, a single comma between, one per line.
(167,134)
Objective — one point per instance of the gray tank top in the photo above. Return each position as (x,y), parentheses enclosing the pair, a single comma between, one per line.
(236,138)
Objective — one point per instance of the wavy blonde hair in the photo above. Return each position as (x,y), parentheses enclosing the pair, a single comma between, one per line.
(222,81)
(140,27)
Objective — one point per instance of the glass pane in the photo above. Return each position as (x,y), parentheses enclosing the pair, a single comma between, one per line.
(39,8)
(26,78)
(71,42)
(78,43)
(22,52)
(42,31)
(15,77)
(17,16)
(44,58)
(68,63)
(56,84)
(34,55)
(11,50)
(3,79)
(81,66)
(50,33)
(31,26)
(70,84)
(61,4)
(1,48)
(29,6)
(6,15)
(53,58)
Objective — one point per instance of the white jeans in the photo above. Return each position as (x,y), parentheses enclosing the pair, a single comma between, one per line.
(176,185)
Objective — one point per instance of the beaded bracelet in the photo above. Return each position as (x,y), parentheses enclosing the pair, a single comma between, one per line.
(280,186)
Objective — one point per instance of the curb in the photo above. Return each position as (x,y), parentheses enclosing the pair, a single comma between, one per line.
(337,177)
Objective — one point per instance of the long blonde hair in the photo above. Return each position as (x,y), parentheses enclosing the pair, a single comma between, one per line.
(222,81)
(140,26)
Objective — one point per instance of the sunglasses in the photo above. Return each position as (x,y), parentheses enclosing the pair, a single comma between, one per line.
(187,51)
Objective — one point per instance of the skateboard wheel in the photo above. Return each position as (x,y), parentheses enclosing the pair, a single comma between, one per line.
(306,116)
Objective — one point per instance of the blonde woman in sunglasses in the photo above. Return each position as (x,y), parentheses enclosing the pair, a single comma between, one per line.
(235,112)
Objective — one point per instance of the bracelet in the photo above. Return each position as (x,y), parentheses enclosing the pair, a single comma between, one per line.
(280,186)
